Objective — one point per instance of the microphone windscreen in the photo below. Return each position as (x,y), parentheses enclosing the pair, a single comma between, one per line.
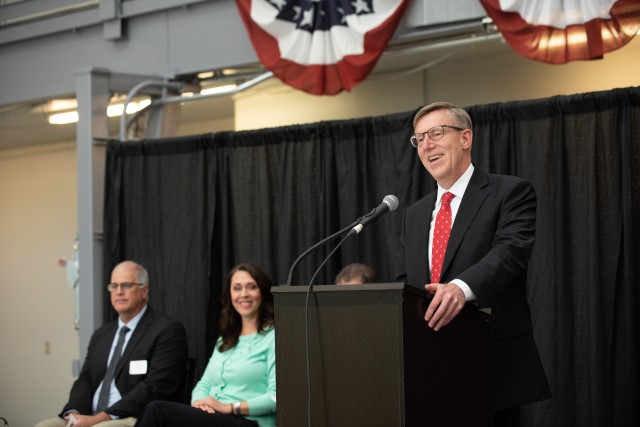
(392,201)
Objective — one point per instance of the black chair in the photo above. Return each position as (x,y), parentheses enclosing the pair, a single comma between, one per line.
(189,380)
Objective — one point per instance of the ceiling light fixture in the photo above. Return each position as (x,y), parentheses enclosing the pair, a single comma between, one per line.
(113,110)
(205,75)
(63,118)
(61,105)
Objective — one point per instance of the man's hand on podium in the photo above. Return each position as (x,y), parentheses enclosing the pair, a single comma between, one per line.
(447,301)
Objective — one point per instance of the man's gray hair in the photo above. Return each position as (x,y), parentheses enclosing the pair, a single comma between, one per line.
(142,276)
(458,114)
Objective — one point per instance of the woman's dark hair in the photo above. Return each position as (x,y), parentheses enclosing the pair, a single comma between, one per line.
(230,320)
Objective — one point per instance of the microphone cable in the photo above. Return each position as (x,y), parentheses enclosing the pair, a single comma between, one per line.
(306,325)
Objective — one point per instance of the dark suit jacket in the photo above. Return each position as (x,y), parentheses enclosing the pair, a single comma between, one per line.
(159,340)
(489,249)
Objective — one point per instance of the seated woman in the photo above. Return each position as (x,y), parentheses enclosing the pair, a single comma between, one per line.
(238,387)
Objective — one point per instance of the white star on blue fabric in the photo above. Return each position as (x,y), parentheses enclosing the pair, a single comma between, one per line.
(361,6)
(307,18)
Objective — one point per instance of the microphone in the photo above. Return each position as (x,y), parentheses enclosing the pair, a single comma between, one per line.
(389,203)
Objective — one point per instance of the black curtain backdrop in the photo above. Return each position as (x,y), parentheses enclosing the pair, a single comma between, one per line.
(191,208)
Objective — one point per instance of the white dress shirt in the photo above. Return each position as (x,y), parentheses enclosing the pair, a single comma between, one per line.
(458,189)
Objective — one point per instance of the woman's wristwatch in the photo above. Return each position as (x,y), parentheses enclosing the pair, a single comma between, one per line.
(236,408)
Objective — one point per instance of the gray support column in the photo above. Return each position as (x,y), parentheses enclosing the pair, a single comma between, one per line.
(92,89)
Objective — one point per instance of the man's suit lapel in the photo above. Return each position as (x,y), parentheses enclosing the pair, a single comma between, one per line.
(104,348)
(138,333)
(421,235)
(474,196)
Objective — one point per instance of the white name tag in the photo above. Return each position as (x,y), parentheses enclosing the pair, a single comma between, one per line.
(137,367)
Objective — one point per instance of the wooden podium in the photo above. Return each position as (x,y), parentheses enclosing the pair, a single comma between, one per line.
(373,360)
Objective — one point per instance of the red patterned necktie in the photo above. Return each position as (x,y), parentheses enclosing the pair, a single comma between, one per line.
(441,233)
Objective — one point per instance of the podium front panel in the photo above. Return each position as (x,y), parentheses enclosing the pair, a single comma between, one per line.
(355,360)
(373,361)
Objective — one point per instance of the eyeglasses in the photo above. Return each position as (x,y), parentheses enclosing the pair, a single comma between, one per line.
(435,133)
(127,286)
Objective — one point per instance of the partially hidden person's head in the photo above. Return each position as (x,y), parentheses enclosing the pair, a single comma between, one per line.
(356,274)
(443,136)
(247,296)
(129,289)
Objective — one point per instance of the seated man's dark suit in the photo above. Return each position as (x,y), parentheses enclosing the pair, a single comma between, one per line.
(489,248)
(158,340)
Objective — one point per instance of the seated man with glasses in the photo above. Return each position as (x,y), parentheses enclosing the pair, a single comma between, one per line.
(130,362)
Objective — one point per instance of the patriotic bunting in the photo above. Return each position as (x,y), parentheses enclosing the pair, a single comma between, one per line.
(557,32)
(320,46)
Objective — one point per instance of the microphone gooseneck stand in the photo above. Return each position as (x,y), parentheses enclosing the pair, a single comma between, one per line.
(321,242)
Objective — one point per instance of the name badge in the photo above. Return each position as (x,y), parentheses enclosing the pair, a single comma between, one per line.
(137,367)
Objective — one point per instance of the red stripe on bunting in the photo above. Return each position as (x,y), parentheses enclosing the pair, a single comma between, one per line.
(585,41)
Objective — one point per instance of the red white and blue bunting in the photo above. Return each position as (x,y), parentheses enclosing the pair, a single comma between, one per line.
(320,46)
(559,31)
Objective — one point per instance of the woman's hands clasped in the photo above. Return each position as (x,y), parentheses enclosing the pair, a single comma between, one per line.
(211,405)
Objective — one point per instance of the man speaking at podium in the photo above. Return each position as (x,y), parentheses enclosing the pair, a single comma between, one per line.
(471,241)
